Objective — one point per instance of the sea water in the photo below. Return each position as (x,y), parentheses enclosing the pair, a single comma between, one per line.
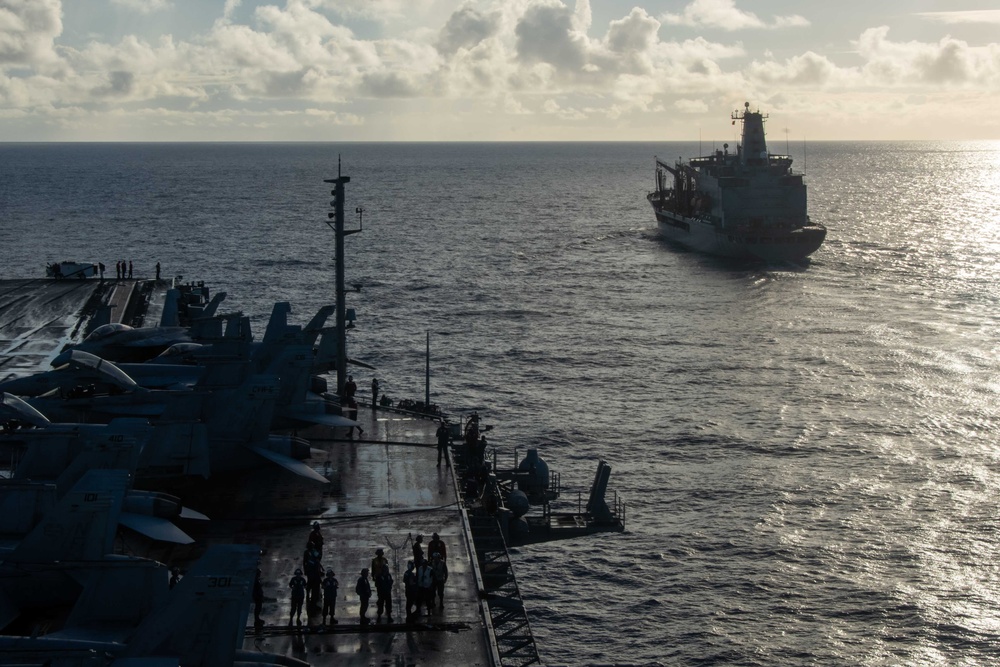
(808,452)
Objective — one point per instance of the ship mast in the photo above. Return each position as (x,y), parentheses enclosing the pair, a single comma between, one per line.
(337,215)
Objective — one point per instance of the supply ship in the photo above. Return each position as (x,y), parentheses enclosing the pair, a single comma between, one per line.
(748,204)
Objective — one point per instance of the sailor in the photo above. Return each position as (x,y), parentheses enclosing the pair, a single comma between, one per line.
(472,441)
(436,545)
(481,454)
(440,576)
(352,413)
(375,388)
(383,586)
(157,270)
(175,576)
(118,270)
(418,550)
(130,269)
(350,387)
(379,563)
(425,586)
(330,585)
(298,588)
(443,438)
(258,598)
(411,590)
(315,540)
(100,267)
(313,567)
(364,591)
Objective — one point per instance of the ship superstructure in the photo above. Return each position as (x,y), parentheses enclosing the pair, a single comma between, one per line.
(747,204)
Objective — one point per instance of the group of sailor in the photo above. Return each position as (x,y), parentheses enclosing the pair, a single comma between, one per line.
(423,582)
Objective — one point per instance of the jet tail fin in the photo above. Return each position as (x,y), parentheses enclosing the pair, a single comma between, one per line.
(204,619)
(81,526)
(170,317)
(213,305)
(278,323)
(315,326)
(326,352)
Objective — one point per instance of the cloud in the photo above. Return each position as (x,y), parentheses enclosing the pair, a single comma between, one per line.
(120,83)
(949,61)
(229,8)
(691,106)
(808,69)
(546,34)
(634,33)
(466,28)
(723,14)
(28,29)
(977,16)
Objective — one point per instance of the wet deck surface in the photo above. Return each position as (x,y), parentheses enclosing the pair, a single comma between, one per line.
(39,317)
(384,490)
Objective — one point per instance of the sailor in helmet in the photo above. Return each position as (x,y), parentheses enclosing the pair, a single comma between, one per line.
(298,588)
(330,585)
(364,590)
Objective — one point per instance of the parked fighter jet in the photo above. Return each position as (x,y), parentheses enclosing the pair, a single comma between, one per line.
(56,456)
(84,384)
(195,432)
(200,622)
(47,567)
(120,342)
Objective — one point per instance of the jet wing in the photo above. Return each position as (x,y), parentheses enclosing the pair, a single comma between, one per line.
(362,364)
(318,418)
(188,513)
(287,462)
(155,528)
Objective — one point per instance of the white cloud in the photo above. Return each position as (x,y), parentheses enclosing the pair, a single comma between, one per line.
(691,106)
(808,69)
(230,7)
(466,28)
(725,15)
(949,61)
(546,34)
(28,29)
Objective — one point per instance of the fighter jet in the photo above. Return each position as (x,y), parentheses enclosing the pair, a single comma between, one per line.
(196,432)
(84,385)
(201,621)
(120,342)
(49,565)
(56,456)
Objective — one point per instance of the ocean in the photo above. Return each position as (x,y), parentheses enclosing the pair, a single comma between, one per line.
(808,452)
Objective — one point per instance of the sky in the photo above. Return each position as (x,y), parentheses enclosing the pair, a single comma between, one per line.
(496,70)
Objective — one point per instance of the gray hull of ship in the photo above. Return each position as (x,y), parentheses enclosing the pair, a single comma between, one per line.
(705,237)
